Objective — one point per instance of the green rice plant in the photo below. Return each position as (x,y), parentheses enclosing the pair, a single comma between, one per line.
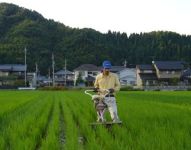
(22,131)
(10,100)
(78,103)
(61,120)
(70,127)
(51,139)
(148,117)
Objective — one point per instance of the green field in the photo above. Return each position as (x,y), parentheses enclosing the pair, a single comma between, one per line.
(60,120)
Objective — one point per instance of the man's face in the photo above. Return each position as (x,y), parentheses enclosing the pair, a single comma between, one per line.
(106,71)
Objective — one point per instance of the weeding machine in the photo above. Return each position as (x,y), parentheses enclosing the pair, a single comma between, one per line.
(100,107)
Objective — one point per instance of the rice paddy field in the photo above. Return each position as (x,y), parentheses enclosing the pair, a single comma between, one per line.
(31,120)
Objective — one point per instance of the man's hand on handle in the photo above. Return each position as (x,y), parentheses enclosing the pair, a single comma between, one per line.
(95,90)
(111,91)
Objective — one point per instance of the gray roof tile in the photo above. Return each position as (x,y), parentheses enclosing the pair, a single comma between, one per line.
(62,72)
(87,67)
(12,67)
(169,65)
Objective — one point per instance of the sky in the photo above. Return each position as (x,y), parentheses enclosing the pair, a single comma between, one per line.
(129,16)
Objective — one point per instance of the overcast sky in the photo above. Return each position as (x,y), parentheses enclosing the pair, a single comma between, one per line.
(130,16)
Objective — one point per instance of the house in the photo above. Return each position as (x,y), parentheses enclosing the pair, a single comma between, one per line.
(127,76)
(86,73)
(146,75)
(12,74)
(168,69)
(12,69)
(186,76)
(63,77)
(168,72)
(117,69)
(43,80)
(160,73)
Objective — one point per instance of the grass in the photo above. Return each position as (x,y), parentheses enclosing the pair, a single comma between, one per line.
(60,120)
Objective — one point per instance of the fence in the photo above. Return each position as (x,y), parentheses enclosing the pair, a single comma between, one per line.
(166,88)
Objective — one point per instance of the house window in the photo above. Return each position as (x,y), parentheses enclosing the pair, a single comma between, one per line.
(89,72)
(173,72)
(167,72)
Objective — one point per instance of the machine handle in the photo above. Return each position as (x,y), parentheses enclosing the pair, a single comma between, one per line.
(87,92)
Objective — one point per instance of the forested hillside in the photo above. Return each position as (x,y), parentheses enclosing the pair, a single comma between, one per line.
(20,28)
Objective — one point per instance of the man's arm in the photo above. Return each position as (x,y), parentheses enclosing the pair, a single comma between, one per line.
(117,84)
(96,84)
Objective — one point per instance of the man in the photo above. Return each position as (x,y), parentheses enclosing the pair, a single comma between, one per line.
(110,81)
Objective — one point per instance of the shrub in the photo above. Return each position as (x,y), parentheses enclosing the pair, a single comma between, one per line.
(130,88)
(19,83)
(55,88)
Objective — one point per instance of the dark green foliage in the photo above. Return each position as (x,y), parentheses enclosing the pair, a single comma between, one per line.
(50,88)
(130,88)
(20,28)
(79,79)
(18,83)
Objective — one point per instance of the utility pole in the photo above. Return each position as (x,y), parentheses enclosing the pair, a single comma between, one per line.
(36,78)
(49,77)
(53,63)
(65,73)
(36,69)
(125,63)
(25,67)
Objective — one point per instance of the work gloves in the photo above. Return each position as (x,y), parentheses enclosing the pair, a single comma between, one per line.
(111,91)
(95,89)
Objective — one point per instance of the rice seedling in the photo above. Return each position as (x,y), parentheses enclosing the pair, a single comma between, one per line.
(61,120)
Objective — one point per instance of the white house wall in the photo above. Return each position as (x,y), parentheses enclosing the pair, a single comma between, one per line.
(128,75)
(139,81)
(2,74)
(84,74)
